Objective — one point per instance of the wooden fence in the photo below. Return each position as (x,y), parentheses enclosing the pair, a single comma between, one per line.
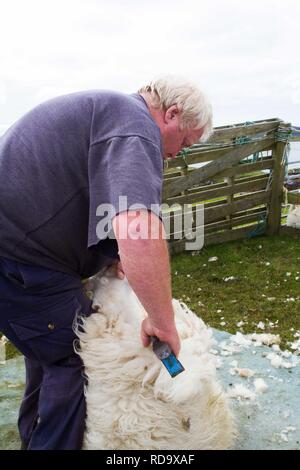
(236,177)
(293,197)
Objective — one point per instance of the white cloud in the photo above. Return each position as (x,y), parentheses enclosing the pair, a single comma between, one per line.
(2,93)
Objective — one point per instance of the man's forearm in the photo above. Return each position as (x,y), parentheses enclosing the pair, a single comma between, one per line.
(146,266)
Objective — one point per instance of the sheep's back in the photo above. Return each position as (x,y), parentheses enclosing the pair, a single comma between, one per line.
(132,402)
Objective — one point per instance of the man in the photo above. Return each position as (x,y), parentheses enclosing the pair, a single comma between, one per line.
(59,164)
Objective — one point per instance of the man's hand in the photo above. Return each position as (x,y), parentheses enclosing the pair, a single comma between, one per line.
(147,327)
(170,337)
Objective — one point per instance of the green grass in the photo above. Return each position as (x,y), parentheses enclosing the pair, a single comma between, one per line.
(258,291)
(201,285)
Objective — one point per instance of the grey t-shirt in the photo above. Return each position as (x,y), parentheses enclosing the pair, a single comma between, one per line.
(62,160)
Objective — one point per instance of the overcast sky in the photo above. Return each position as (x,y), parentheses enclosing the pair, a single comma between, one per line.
(243,54)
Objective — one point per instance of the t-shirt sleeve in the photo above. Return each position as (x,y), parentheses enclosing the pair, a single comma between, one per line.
(125,173)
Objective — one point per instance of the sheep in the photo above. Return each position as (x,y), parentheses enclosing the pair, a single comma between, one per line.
(132,402)
(293,218)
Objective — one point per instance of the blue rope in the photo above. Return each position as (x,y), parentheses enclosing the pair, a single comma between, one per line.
(260,227)
(283,135)
(184,153)
(242,140)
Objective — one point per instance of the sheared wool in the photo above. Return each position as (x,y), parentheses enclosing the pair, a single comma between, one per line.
(277,361)
(264,338)
(293,218)
(242,372)
(132,402)
(240,391)
(260,385)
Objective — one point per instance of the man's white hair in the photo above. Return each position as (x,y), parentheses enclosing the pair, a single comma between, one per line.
(195,109)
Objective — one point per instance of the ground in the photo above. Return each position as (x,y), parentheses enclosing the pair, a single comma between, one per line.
(255,281)
(266,421)
(252,281)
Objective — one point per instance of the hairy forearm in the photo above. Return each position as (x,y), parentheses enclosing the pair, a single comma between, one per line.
(146,266)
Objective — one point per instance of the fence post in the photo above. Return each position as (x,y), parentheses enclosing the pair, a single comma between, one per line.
(230,199)
(274,215)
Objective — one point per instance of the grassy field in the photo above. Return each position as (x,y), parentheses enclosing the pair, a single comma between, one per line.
(252,281)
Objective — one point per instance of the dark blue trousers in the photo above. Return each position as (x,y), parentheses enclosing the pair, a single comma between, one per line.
(38,308)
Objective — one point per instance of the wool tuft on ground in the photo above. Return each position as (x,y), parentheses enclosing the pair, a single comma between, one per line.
(293,218)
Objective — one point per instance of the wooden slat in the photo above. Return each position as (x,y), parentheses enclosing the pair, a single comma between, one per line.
(205,187)
(215,203)
(179,213)
(173,188)
(251,211)
(212,214)
(244,179)
(255,184)
(266,164)
(223,201)
(223,237)
(243,208)
(172,219)
(293,197)
(176,219)
(222,134)
(201,155)
(236,171)
(224,224)
(172,174)
(235,221)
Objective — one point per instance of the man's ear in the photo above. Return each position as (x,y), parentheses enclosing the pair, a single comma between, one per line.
(171,113)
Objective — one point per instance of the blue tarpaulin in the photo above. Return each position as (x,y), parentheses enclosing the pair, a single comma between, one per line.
(270,420)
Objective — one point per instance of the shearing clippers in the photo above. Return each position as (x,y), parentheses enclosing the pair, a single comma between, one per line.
(163,351)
